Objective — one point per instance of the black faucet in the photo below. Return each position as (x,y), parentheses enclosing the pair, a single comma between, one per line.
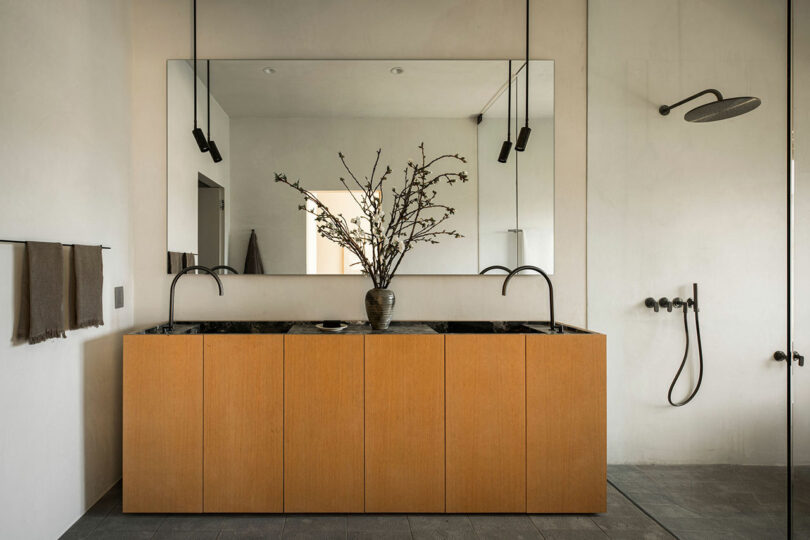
(230,269)
(182,272)
(550,290)
(494,267)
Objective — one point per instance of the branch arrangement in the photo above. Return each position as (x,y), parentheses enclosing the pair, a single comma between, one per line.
(379,240)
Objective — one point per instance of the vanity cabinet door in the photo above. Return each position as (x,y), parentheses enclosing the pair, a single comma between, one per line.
(163,423)
(243,423)
(566,425)
(323,423)
(486,423)
(404,397)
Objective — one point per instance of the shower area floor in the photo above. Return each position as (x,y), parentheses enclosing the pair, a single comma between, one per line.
(715,501)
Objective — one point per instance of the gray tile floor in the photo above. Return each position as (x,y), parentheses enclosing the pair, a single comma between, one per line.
(714,501)
(622,521)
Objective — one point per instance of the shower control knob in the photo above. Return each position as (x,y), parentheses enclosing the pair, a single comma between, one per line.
(664,302)
(651,303)
(781,356)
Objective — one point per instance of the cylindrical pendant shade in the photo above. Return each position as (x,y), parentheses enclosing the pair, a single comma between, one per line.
(505,149)
(199,136)
(215,155)
(523,138)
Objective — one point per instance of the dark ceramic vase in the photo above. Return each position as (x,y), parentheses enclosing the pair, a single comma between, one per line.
(380,307)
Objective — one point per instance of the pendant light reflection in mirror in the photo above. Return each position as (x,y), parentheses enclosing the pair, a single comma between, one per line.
(199,136)
(212,146)
(507,144)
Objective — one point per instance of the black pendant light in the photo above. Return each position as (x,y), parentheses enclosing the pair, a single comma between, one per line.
(212,146)
(507,144)
(523,136)
(199,136)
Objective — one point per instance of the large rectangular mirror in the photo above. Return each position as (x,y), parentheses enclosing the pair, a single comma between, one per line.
(295,116)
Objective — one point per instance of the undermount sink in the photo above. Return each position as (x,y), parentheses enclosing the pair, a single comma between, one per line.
(222,327)
(400,327)
(245,327)
(481,327)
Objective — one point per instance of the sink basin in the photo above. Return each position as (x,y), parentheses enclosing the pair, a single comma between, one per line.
(544,328)
(481,327)
(221,327)
(245,327)
(178,330)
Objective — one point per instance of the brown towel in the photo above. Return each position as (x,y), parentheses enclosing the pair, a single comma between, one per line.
(89,278)
(189,259)
(42,297)
(253,260)
(175,262)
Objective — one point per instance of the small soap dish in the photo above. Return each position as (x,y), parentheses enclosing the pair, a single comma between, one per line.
(331,329)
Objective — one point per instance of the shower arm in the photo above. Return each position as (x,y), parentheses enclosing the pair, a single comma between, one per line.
(664,109)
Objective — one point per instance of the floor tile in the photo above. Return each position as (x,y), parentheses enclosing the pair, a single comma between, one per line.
(186,535)
(518,527)
(563,522)
(305,526)
(120,535)
(575,535)
(131,522)
(386,523)
(441,526)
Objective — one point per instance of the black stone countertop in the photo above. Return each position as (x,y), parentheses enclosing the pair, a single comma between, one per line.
(360,327)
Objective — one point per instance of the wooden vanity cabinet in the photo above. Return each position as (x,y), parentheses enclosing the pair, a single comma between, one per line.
(243,441)
(486,423)
(566,423)
(163,423)
(457,423)
(323,423)
(404,426)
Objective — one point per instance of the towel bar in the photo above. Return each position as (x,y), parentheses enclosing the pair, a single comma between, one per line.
(23,242)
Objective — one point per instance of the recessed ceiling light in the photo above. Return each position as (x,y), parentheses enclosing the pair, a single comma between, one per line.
(269,70)
(397,70)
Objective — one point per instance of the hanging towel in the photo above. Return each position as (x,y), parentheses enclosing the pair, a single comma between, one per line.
(42,295)
(89,278)
(175,262)
(189,259)
(253,260)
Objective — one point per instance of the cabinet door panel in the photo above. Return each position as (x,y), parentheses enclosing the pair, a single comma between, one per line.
(566,433)
(486,423)
(323,423)
(162,423)
(404,423)
(243,423)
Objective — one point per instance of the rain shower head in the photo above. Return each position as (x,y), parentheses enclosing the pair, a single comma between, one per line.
(716,110)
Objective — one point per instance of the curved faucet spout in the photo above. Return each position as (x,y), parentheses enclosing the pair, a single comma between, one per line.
(230,269)
(550,290)
(494,267)
(181,273)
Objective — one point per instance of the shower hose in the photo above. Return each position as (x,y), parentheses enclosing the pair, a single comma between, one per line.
(686,354)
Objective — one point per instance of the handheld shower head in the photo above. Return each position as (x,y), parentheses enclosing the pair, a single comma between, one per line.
(720,109)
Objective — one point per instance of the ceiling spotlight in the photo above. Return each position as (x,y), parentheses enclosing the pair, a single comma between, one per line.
(268,70)
(397,70)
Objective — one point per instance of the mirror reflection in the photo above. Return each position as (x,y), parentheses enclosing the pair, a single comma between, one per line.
(296,116)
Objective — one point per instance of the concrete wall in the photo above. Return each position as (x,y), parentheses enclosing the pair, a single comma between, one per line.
(671,203)
(64,146)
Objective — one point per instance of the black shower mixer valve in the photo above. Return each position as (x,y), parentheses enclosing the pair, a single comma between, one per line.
(666,303)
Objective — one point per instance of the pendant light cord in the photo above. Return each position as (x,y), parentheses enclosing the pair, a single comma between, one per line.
(194,83)
(527,63)
(208,87)
(509,107)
